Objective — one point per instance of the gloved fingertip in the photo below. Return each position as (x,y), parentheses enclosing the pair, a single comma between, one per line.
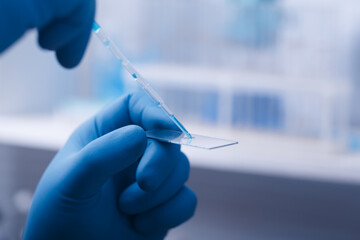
(68,61)
(157,163)
(70,55)
(192,202)
(147,182)
(137,136)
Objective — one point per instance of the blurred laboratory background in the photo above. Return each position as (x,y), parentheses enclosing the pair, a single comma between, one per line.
(281,77)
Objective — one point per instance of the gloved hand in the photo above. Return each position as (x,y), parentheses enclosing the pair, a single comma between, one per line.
(64,25)
(110,182)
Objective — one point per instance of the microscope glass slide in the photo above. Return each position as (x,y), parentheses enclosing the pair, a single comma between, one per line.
(198,141)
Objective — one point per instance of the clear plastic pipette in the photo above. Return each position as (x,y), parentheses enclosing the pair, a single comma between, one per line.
(135,74)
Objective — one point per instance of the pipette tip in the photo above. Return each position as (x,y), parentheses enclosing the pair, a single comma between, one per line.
(96,27)
(181,127)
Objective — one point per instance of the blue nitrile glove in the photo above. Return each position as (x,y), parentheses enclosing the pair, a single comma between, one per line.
(64,25)
(110,182)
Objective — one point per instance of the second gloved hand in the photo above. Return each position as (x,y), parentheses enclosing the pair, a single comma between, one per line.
(111,182)
(64,26)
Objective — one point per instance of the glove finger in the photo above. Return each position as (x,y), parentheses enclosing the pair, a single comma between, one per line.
(134,200)
(156,164)
(169,215)
(102,158)
(135,108)
(115,116)
(57,35)
(69,54)
(147,116)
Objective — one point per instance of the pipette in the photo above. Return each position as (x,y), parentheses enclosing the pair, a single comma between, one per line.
(138,78)
(176,137)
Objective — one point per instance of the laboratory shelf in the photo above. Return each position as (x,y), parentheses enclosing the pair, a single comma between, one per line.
(257,152)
